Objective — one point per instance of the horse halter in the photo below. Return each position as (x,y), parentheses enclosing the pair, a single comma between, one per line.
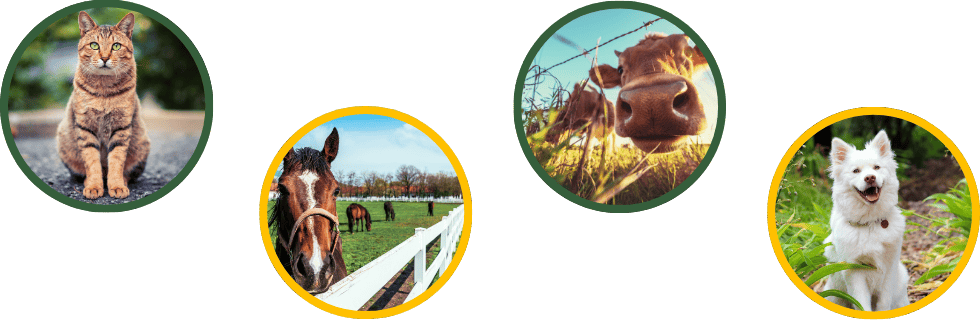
(335,234)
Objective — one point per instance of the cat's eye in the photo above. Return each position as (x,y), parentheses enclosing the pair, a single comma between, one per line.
(877,167)
(94,45)
(116,46)
(857,170)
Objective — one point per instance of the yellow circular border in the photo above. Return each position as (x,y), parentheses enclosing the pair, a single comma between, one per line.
(464,185)
(773,190)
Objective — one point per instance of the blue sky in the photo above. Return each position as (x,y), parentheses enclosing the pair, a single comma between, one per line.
(377,143)
(602,26)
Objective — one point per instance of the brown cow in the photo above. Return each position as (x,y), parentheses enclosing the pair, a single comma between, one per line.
(582,106)
(658,106)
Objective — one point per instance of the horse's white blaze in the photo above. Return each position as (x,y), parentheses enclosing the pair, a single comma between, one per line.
(316,261)
(309,179)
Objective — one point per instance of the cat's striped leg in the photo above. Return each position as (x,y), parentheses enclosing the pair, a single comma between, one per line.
(139,150)
(88,146)
(118,149)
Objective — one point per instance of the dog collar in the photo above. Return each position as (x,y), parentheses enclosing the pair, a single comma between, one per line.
(882,222)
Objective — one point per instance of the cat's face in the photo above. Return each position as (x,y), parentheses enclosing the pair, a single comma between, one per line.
(106,50)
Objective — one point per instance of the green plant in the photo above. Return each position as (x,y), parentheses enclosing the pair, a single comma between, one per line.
(953,230)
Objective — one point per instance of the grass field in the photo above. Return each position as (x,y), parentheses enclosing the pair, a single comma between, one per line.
(361,248)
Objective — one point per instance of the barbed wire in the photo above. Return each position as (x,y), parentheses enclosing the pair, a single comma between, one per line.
(603,44)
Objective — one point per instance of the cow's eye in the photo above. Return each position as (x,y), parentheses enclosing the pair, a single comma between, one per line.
(116,46)
(857,171)
(94,45)
(620,70)
(688,52)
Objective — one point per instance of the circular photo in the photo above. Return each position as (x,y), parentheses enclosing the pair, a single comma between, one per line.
(106,108)
(870,213)
(365,212)
(619,106)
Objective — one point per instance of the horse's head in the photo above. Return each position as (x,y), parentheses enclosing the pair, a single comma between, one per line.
(307,213)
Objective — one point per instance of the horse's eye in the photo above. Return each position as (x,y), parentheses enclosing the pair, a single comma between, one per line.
(336,192)
(116,46)
(857,170)
(620,70)
(94,45)
(877,167)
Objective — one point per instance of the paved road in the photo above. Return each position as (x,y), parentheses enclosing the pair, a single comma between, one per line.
(169,152)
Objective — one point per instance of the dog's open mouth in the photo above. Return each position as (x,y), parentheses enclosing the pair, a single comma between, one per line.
(871,194)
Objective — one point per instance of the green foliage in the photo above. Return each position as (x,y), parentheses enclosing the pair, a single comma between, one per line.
(912,144)
(165,68)
(954,230)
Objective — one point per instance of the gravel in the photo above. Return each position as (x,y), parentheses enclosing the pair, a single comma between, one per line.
(169,152)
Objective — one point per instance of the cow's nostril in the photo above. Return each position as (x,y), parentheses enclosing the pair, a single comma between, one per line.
(681,100)
(625,106)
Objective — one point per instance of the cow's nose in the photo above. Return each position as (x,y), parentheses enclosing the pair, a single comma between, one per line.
(660,109)
(870,179)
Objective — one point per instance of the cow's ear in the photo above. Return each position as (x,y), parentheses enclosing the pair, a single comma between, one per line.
(700,63)
(610,76)
(331,145)
(85,22)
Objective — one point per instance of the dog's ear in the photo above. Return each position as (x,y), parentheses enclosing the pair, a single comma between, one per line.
(838,153)
(881,145)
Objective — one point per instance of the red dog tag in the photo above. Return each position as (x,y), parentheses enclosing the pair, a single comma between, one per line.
(884,223)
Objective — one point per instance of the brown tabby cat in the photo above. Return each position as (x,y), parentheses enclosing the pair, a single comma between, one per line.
(103,133)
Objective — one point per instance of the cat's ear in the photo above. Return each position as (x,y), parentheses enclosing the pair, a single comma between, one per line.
(85,22)
(126,25)
(331,146)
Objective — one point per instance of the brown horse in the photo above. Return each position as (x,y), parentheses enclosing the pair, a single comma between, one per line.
(389,211)
(309,245)
(358,216)
(431,203)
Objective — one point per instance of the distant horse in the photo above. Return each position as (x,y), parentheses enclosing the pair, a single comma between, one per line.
(358,216)
(431,203)
(308,240)
(389,211)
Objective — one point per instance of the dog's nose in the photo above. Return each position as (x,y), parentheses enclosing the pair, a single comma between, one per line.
(869,179)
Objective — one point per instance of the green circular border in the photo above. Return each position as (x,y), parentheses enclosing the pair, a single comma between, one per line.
(519,123)
(202,141)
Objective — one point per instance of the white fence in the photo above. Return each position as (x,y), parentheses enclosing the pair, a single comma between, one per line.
(355,289)
(447,199)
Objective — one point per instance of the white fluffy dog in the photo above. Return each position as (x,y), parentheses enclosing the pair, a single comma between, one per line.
(867,226)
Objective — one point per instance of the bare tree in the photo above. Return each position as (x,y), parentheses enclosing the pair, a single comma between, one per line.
(408,176)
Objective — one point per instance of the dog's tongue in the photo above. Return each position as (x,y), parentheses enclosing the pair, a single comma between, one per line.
(871,195)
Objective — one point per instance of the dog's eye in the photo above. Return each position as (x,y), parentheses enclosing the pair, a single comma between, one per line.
(857,170)
(877,167)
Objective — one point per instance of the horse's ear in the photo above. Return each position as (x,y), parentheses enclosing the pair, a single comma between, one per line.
(288,158)
(331,145)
